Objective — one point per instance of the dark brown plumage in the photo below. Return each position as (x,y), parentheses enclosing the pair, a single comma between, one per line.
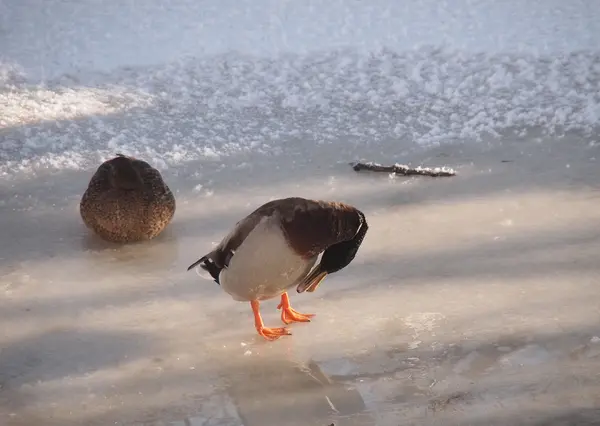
(310,226)
(127,201)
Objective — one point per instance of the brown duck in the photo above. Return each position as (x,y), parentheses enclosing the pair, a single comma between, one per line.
(275,247)
(127,201)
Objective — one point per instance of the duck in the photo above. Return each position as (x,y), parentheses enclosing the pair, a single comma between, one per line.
(276,247)
(127,201)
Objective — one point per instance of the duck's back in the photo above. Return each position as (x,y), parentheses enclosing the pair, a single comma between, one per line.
(127,200)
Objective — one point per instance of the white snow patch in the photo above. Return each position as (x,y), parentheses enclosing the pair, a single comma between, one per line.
(216,107)
(30,105)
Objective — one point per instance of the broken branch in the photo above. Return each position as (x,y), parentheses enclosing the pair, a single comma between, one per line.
(401,169)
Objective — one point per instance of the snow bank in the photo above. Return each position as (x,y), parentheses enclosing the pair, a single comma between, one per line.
(218,106)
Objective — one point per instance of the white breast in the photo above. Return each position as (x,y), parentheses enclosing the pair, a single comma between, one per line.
(264,266)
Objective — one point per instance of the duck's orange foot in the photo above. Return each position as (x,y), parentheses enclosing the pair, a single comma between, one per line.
(289,314)
(267,333)
(273,333)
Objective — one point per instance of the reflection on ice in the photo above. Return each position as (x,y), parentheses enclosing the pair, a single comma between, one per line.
(283,392)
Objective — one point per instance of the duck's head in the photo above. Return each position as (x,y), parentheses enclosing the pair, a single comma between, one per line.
(124,174)
(335,258)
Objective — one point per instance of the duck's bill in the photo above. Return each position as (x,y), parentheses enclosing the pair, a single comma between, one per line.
(312,281)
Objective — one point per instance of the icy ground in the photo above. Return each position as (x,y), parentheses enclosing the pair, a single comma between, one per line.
(473,300)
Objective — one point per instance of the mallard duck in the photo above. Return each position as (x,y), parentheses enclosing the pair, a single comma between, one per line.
(126,201)
(275,247)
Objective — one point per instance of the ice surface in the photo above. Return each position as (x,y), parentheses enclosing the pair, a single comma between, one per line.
(473,299)
(447,312)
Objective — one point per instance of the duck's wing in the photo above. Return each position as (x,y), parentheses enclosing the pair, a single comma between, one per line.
(313,226)
(235,238)
(152,178)
(242,228)
(100,180)
(219,258)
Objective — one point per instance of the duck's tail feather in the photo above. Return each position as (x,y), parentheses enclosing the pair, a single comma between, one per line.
(197,262)
(209,266)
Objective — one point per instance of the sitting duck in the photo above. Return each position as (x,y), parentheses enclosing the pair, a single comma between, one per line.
(275,247)
(127,201)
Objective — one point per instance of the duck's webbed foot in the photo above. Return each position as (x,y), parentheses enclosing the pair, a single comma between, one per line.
(290,315)
(266,332)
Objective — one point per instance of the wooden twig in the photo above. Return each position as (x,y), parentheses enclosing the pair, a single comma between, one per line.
(404,170)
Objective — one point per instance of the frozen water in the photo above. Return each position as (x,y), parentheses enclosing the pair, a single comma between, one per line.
(436,317)
(473,299)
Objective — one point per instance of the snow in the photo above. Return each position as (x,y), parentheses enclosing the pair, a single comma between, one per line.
(237,103)
(473,299)
(157,93)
